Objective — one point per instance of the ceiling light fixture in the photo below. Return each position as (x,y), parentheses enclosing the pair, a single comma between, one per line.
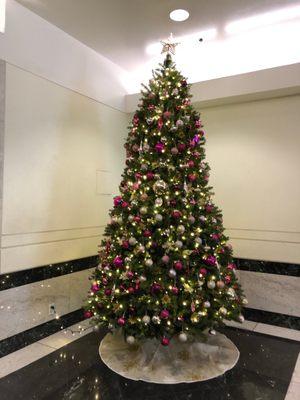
(179,15)
(2,15)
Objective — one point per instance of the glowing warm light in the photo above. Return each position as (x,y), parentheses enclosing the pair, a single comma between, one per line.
(179,15)
(261,20)
(2,15)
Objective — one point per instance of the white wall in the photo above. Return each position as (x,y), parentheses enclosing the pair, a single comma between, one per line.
(37,46)
(63,159)
(253,150)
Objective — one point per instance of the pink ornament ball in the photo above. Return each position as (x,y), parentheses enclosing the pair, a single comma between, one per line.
(155,288)
(150,175)
(147,233)
(175,290)
(211,260)
(178,265)
(181,147)
(174,151)
(165,341)
(131,290)
(117,201)
(118,261)
(164,314)
(95,287)
(130,274)
(167,114)
(176,214)
(159,147)
(165,259)
(203,271)
(125,244)
(107,292)
(192,177)
(231,266)
(227,279)
(191,163)
(121,321)
(137,218)
(125,204)
(88,314)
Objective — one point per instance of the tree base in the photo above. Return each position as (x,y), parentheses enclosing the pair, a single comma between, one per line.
(149,361)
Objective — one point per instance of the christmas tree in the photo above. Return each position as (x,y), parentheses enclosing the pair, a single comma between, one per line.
(165,265)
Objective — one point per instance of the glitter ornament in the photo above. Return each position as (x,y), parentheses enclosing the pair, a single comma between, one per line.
(206,304)
(179,123)
(143,210)
(165,259)
(159,186)
(121,321)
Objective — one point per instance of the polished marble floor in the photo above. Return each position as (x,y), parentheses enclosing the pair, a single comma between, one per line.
(75,372)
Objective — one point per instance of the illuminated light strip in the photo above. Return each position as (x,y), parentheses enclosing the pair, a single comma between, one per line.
(2,15)
(262,20)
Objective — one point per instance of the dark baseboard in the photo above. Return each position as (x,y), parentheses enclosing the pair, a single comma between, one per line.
(39,332)
(15,279)
(19,278)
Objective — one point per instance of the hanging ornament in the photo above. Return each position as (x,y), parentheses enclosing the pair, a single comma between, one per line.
(179,123)
(182,337)
(121,321)
(165,259)
(142,278)
(191,219)
(159,186)
(220,284)
(156,319)
(148,262)
(180,229)
(141,249)
(211,284)
(178,265)
(198,240)
(172,273)
(175,290)
(130,340)
(178,244)
(143,210)
(165,341)
(159,202)
(159,147)
(164,314)
(206,304)
(223,310)
(132,241)
(146,319)
(144,167)
(241,318)
(158,217)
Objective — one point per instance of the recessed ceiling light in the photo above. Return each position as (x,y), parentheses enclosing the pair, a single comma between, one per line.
(179,15)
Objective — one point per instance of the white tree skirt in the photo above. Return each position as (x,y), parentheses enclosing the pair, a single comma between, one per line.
(149,361)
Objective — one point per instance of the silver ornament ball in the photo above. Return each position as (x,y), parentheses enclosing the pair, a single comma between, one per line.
(148,262)
(130,339)
(211,284)
(182,337)
(146,319)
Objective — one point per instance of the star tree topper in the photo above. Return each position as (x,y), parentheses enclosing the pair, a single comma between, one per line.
(169,45)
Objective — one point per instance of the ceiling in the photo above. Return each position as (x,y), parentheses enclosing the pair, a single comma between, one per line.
(121,29)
